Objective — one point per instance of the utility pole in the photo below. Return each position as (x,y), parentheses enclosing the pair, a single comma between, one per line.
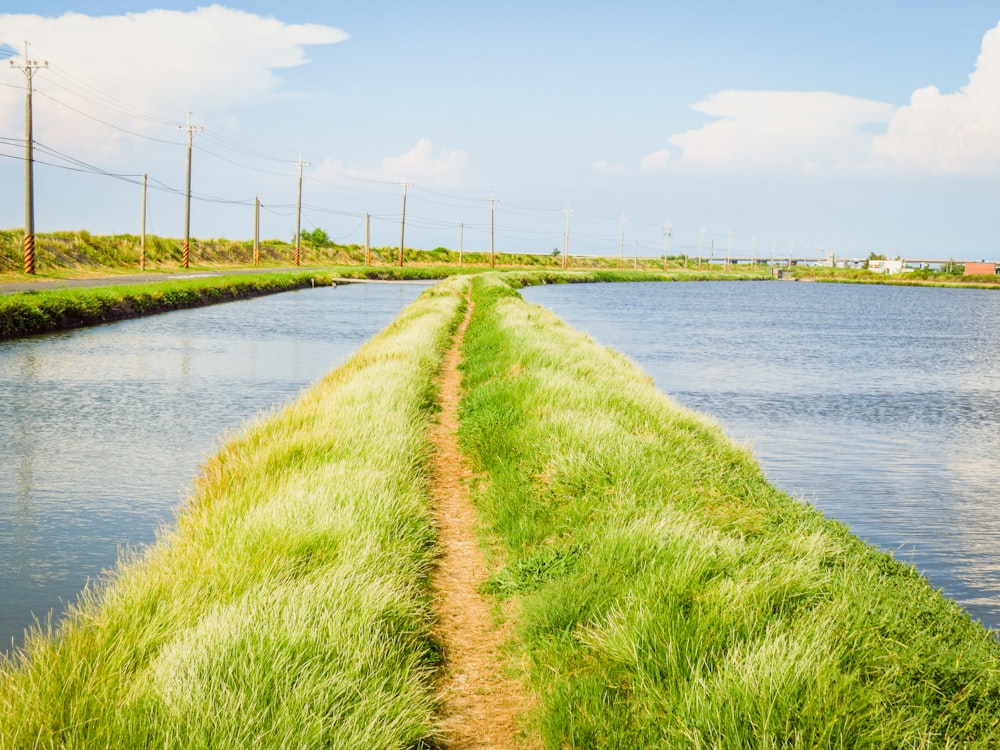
(753,245)
(256,231)
(402,223)
(298,214)
(493,201)
(29,68)
(635,265)
(666,245)
(621,250)
(368,239)
(565,258)
(461,241)
(186,257)
(142,233)
(729,248)
(701,245)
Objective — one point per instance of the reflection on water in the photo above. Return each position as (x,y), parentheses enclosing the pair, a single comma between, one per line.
(102,430)
(880,405)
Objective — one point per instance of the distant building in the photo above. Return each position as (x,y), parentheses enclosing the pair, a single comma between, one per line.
(895,265)
(982,269)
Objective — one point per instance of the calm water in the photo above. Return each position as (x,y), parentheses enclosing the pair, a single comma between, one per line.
(879,405)
(102,430)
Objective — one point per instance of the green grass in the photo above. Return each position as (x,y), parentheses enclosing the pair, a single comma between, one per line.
(666,595)
(288,607)
(32,312)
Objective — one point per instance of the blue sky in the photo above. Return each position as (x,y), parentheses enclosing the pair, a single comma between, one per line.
(853,127)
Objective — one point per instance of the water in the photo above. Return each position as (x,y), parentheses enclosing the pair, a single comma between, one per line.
(878,405)
(102,430)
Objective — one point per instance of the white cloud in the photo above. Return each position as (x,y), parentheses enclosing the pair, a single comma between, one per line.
(819,131)
(656,162)
(123,68)
(949,133)
(796,129)
(418,165)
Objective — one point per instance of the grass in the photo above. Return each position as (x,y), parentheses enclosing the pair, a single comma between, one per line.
(288,607)
(666,595)
(66,254)
(32,312)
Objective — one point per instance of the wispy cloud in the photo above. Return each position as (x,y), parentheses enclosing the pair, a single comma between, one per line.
(420,165)
(783,129)
(655,162)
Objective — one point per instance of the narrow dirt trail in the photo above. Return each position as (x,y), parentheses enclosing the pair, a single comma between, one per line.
(479,704)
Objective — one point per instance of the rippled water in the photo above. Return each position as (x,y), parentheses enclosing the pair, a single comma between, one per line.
(879,405)
(102,430)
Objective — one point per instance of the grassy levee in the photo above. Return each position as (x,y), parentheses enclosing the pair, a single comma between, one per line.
(288,607)
(666,595)
(33,312)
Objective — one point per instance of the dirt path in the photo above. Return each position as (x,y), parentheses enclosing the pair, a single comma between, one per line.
(479,704)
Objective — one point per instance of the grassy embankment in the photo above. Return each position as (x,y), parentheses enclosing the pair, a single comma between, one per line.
(28,313)
(920,277)
(666,595)
(68,254)
(288,608)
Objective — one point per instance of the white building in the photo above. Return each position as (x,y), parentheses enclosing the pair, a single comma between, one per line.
(887,266)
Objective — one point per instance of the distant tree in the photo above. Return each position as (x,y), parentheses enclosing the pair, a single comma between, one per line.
(555,252)
(953,268)
(317,238)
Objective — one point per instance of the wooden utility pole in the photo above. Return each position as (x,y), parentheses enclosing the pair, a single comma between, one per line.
(621,251)
(142,235)
(368,239)
(298,214)
(493,201)
(186,254)
(666,245)
(402,223)
(461,241)
(256,231)
(28,68)
(565,258)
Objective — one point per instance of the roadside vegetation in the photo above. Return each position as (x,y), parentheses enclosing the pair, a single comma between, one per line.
(74,254)
(666,595)
(288,608)
(68,254)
